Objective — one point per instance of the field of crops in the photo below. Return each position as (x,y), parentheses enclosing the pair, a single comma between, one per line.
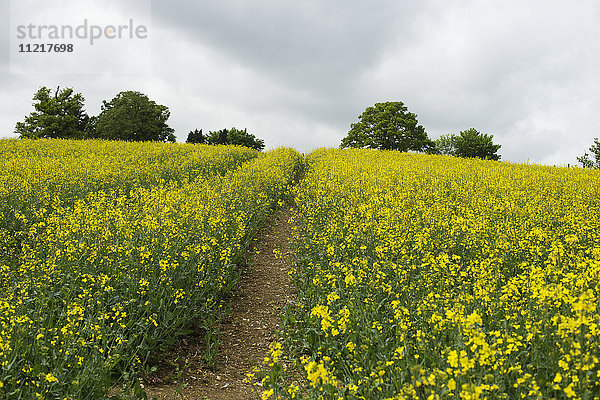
(432,277)
(417,276)
(111,250)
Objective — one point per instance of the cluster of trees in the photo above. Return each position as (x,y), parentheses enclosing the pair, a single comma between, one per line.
(469,143)
(227,136)
(390,126)
(130,116)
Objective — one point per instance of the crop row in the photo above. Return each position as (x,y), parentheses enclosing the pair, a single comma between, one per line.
(431,277)
(106,272)
(38,175)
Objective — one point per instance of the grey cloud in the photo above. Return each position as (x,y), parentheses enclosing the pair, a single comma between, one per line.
(494,66)
(300,72)
(299,37)
(315,48)
(4,36)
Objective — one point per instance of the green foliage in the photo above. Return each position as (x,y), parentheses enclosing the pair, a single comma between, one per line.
(473,144)
(134,117)
(585,158)
(58,116)
(217,137)
(469,144)
(90,127)
(446,144)
(235,136)
(388,126)
(196,136)
(243,138)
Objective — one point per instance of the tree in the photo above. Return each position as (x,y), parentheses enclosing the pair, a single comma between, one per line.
(585,160)
(388,126)
(217,137)
(235,136)
(196,136)
(243,138)
(133,116)
(472,144)
(446,144)
(58,116)
(90,128)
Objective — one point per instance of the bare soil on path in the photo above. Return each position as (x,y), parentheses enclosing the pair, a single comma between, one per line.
(245,334)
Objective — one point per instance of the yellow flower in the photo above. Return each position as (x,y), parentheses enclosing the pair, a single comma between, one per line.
(351,347)
(569,391)
(558,378)
(451,384)
(453,358)
(350,280)
(266,394)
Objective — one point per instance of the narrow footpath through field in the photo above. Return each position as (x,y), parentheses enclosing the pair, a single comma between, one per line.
(246,332)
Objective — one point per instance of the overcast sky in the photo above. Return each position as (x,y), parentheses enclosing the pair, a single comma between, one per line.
(298,73)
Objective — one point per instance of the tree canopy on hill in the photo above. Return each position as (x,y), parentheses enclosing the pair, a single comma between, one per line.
(133,116)
(469,143)
(388,126)
(235,136)
(56,116)
(196,136)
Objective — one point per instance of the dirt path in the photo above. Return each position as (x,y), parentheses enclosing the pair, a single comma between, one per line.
(246,332)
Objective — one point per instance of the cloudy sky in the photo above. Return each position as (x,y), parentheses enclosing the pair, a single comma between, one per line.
(299,72)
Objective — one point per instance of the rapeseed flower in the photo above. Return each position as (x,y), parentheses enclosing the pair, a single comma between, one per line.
(437,277)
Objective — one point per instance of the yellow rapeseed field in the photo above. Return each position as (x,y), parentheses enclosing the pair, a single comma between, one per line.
(418,277)
(433,277)
(112,249)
